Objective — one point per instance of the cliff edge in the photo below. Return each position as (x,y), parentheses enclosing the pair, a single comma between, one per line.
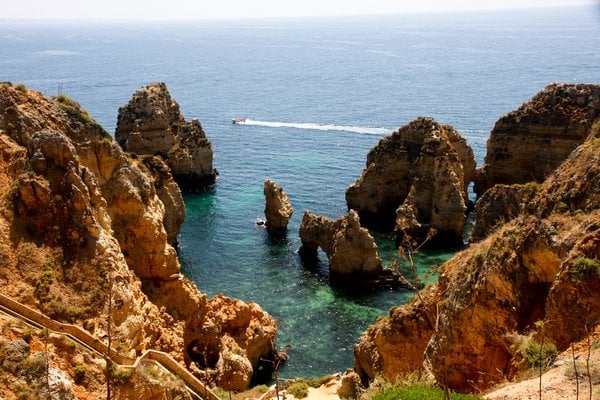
(528,144)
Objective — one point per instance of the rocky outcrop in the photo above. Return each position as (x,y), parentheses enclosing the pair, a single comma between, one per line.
(151,124)
(278,208)
(351,250)
(529,143)
(543,265)
(499,205)
(81,221)
(416,178)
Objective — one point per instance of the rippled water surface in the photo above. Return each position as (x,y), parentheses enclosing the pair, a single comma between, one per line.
(318,94)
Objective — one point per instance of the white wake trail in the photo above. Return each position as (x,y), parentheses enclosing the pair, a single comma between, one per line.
(319,127)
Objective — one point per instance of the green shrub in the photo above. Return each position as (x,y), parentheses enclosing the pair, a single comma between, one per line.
(536,354)
(74,110)
(79,373)
(584,268)
(34,364)
(119,374)
(298,389)
(419,393)
(561,207)
(20,87)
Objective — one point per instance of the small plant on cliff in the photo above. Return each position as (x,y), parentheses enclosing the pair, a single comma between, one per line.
(538,355)
(584,268)
(298,389)
(419,393)
(119,375)
(74,110)
(21,87)
(79,373)
(46,278)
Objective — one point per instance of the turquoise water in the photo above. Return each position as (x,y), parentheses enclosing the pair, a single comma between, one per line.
(321,93)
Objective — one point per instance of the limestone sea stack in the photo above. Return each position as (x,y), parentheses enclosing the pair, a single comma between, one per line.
(151,124)
(529,143)
(278,209)
(350,248)
(416,179)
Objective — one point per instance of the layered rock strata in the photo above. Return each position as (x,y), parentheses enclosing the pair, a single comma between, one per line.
(82,222)
(543,265)
(151,124)
(350,248)
(417,179)
(278,209)
(528,144)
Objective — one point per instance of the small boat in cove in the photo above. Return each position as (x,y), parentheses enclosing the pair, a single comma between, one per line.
(238,120)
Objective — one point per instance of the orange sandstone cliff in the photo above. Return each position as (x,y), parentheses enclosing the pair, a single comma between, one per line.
(82,222)
(539,262)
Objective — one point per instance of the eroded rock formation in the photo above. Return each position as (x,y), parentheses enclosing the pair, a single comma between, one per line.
(351,250)
(151,124)
(81,220)
(529,143)
(537,266)
(417,179)
(499,205)
(278,208)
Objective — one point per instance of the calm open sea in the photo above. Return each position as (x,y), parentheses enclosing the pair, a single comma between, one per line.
(320,93)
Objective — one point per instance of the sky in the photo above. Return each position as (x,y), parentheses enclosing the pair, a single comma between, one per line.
(225,9)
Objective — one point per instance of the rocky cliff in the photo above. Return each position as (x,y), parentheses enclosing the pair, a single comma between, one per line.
(417,179)
(543,265)
(351,250)
(499,205)
(529,143)
(82,222)
(278,208)
(151,124)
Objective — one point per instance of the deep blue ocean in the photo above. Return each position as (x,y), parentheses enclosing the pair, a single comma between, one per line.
(320,92)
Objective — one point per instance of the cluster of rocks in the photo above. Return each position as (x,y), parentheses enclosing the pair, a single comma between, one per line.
(537,226)
(100,211)
(151,124)
(102,223)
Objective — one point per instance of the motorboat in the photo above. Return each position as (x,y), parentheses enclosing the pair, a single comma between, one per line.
(238,120)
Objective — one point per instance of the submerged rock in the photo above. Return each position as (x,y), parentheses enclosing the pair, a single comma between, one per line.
(278,209)
(417,179)
(151,124)
(351,250)
(528,144)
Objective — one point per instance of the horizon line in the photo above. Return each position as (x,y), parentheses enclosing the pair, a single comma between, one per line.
(288,17)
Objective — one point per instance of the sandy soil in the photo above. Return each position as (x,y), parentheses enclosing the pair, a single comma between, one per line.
(559,382)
